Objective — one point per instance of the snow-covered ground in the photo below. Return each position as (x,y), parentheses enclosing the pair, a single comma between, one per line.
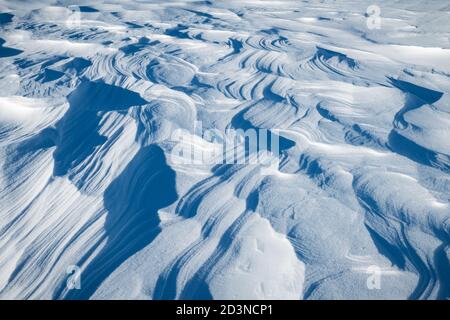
(99,102)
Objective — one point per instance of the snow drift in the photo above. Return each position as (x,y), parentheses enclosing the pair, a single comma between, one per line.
(356,207)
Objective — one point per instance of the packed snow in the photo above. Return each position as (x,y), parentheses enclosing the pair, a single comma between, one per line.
(104,105)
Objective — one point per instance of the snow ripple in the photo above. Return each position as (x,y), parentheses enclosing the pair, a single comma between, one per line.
(87,115)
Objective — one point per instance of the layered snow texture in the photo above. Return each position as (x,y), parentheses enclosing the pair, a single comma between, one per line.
(87,113)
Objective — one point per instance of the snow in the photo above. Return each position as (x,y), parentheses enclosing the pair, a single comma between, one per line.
(101,104)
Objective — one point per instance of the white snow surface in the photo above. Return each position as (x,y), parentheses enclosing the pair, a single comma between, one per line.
(87,113)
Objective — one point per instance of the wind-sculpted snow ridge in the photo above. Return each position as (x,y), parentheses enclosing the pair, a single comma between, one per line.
(348,200)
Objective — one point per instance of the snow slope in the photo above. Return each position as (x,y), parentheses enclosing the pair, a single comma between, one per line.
(357,206)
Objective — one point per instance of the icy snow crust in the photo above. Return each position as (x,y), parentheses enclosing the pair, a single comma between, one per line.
(86,181)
